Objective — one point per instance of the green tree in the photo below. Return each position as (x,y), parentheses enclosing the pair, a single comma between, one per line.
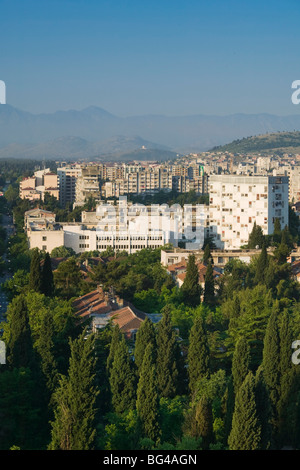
(73,427)
(145,335)
(246,429)
(17,335)
(68,278)
(35,272)
(264,411)
(204,420)
(261,266)
(198,353)
(47,282)
(62,252)
(191,288)
(209,286)
(19,410)
(45,349)
(240,363)
(256,237)
(271,362)
(147,403)
(207,254)
(114,343)
(122,379)
(276,231)
(167,354)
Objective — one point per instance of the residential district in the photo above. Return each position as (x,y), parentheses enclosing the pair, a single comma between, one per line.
(187,271)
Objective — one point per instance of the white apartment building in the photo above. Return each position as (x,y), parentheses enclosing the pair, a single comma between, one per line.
(236,202)
(67,177)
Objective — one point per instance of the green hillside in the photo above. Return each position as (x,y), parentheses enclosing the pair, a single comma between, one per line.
(279,142)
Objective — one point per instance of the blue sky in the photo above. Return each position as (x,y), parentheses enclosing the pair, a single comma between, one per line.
(151,57)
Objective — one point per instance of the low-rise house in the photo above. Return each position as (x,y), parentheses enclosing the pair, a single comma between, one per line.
(102,307)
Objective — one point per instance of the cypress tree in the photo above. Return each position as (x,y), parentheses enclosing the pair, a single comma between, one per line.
(240,362)
(261,266)
(47,282)
(45,348)
(147,403)
(271,362)
(209,286)
(73,427)
(122,379)
(277,231)
(264,410)
(166,366)
(228,408)
(207,254)
(20,351)
(289,384)
(246,430)
(191,288)
(198,353)
(256,237)
(115,339)
(204,420)
(35,272)
(144,336)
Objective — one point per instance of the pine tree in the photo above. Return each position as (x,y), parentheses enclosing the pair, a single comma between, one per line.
(122,379)
(198,353)
(35,272)
(47,282)
(191,288)
(246,430)
(147,403)
(166,366)
(145,336)
(73,427)
(209,286)
(240,363)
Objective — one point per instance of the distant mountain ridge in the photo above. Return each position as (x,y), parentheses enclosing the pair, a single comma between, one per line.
(22,132)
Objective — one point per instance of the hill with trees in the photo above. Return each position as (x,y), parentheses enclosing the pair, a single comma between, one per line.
(277,142)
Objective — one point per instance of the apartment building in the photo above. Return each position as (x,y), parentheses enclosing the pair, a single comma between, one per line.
(88,184)
(236,202)
(35,187)
(67,177)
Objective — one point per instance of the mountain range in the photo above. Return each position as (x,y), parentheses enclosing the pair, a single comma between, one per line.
(94,132)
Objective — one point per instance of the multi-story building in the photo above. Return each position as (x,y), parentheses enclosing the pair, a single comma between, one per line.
(88,184)
(67,177)
(36,186)
(236,202)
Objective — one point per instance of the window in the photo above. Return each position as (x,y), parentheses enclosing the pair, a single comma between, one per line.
(44,239)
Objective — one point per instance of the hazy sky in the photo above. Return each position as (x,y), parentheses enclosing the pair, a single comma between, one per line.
(151,57)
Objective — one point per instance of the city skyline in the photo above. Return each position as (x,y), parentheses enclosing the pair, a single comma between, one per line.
(165,58)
